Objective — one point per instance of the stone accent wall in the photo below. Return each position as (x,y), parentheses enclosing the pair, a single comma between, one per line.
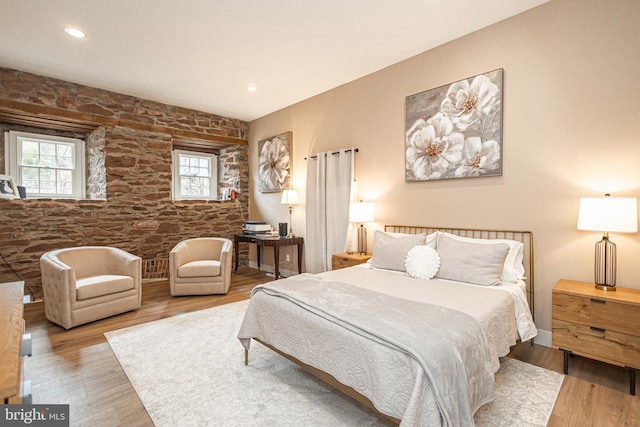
(129,203)
(40,90)
(96,169)
(234,166)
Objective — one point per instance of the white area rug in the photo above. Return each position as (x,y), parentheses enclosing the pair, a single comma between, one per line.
(189,371)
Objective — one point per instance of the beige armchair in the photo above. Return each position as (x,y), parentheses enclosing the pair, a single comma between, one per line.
(200,266)
(88,283)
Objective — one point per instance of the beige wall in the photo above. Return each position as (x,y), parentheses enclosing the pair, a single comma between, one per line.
(571,129)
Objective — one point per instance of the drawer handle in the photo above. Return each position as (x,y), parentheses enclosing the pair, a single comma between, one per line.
(593,328)
(598,301)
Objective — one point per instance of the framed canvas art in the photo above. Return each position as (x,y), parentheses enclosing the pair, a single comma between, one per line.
(455,131)
(274,157)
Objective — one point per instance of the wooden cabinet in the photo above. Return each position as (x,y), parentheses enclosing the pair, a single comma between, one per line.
(348,260)
(14,344)
(600,325)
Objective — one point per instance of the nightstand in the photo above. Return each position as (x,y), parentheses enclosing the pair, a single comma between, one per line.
(348,260)
(597,324)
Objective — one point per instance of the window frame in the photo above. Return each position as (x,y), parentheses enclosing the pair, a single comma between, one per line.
(175,174)
(14,168)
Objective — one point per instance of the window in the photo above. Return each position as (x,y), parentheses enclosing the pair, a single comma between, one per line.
(195,175)
(47,166)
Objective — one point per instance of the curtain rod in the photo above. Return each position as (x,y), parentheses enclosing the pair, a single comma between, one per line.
(355,150)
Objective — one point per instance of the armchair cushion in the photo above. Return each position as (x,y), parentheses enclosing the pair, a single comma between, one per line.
(199,269)
(96,286)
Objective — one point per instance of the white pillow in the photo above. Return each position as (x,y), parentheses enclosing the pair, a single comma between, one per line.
(432,238)
(471,262)
(422,262)
(389,252)
(513,269)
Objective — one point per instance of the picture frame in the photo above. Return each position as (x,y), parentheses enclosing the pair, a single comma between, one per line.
(274,163)
(455,131)
(8,187)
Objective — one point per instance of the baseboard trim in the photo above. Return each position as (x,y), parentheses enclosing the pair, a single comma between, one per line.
(284,272)
(543,338)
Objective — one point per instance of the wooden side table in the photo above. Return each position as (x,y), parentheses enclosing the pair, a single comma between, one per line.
(275,243)
(14,344)
(345,260)
(597,324)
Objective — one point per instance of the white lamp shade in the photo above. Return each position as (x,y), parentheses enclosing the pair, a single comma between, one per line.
(289,197)
(608,214)
(361,212)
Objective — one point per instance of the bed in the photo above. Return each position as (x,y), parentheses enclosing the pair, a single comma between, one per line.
(418,351)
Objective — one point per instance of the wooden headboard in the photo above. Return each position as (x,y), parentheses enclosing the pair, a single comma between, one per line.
(526,237)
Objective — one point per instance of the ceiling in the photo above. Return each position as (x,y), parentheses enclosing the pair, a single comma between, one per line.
(202,54)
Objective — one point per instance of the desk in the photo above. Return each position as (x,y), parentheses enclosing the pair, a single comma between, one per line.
(275,243)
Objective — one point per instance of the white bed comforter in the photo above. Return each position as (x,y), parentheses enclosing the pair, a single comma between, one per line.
(394,381)
(502,310)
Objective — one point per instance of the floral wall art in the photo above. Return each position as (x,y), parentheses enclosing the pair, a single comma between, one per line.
(455,131)
(275,165)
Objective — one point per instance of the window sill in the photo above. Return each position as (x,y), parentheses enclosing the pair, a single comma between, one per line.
(202,201)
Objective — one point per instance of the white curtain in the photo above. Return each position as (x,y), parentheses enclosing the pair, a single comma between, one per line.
(329,178)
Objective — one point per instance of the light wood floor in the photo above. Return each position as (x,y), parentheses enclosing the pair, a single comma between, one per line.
(77,367)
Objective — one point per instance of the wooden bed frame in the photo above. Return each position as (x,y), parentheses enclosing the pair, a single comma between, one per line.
(526,237)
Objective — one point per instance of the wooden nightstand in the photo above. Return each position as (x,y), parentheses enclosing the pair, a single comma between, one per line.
(600,325)
(348,260)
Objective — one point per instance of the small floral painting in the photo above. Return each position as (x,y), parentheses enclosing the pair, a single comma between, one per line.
(455,131)
(274,170)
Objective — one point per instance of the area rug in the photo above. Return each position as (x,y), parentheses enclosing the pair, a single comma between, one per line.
(189,370)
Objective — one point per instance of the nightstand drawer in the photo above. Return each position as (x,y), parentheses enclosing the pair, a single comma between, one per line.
(602,344)
(348,260)
(592,311)
(339,262)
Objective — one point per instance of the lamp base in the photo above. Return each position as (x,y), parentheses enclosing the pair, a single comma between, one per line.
(608,288)
(605,263)
(290,233)
(362,240)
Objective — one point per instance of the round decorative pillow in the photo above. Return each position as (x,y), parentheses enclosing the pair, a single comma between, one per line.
(422,262)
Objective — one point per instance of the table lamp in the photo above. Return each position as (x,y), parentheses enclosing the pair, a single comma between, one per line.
(361,212)
(289,197)
(608,215)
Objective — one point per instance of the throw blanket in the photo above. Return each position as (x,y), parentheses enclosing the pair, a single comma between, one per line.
(449,345)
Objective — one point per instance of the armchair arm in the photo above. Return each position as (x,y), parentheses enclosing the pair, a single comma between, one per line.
(225,260)
(59,288)
(227,249)
(179,255)
(128,265)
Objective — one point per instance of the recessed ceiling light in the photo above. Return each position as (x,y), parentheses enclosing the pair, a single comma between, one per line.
(74,32)
(251,88)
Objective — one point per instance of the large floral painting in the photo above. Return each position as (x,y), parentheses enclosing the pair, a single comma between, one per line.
(275,163)
(455,131)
